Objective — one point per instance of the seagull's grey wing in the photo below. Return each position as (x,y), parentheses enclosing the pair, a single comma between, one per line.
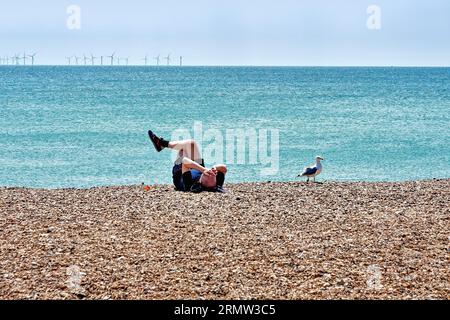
(309,171)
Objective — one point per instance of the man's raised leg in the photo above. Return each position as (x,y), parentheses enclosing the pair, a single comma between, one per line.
(187,148)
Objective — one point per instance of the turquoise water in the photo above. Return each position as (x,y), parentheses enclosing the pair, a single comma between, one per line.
(87,126)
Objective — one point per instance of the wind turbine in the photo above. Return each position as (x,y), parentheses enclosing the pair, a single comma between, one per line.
(101,60)
(93,59)
(85,59)
(17,57)
(168,59)
(181,61)
(32,56)
(127,59)
(157,59)
(69,59)
(146,59)
(24,58)
(7,60)
(76,59)
(112,58)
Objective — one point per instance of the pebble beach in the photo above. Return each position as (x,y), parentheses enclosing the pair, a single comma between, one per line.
(337,240)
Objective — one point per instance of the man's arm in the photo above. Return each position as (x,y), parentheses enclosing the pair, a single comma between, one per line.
(221,168)
(188,164)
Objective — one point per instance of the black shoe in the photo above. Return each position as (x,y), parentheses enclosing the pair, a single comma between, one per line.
(155,140)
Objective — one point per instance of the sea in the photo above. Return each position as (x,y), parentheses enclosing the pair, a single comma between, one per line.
(83,127)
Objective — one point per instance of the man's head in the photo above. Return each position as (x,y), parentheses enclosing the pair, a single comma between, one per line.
(208,181)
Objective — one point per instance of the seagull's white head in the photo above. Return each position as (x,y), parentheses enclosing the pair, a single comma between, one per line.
(319,158)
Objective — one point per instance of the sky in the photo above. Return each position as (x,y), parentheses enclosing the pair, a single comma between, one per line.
(233,32)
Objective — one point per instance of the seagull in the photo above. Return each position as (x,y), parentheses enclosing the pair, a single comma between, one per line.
(312,171)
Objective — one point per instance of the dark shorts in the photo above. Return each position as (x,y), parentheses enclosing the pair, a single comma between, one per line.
(179,180)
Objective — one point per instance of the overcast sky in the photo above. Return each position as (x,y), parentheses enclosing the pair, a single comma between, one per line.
(233,32)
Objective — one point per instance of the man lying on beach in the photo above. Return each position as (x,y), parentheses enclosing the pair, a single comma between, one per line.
(189,172)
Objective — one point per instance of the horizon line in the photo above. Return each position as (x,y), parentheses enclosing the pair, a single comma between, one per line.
(231,65)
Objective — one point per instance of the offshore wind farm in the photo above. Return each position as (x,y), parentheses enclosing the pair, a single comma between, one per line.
(113,59)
